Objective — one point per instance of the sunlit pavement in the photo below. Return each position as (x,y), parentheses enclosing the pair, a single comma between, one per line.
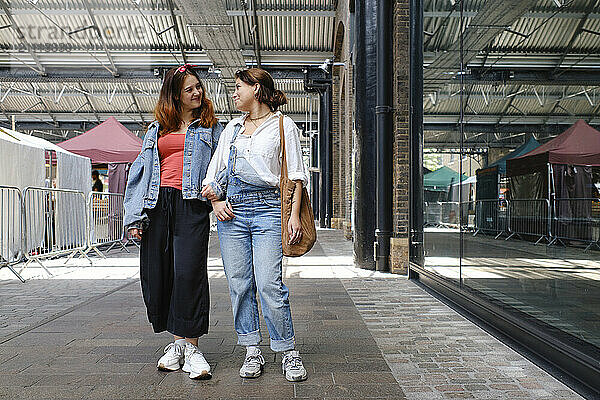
(83,333)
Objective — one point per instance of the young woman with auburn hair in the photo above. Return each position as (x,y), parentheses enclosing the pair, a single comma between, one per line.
(245,171)
(165,209)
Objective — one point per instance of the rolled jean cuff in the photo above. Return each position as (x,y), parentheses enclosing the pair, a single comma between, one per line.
(283,345)
(249,339)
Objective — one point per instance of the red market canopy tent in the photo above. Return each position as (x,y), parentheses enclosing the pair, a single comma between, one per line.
(563,172)
(108,143)
(578,145)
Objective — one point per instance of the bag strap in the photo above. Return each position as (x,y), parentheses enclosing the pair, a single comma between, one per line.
(284,168)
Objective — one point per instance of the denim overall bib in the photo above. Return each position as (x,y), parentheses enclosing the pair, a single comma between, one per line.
(251,251)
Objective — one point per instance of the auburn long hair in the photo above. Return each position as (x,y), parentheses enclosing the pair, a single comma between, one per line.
(168,108)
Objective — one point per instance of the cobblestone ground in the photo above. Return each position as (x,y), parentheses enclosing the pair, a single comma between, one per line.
(79,335)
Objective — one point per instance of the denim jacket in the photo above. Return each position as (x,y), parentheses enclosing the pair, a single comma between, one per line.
(143,182)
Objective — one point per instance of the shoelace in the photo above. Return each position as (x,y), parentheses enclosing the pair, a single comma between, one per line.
(254,359)
(196,352)
(292,362)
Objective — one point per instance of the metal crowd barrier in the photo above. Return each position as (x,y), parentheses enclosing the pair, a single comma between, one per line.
(529,217)
(433,214)
(11,228)
(450,213)
(491,216)
(106,215)
(55,224)
(576,220)
(442,214)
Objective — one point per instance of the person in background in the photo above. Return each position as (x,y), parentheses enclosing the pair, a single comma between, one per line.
(165,210)
(97,186)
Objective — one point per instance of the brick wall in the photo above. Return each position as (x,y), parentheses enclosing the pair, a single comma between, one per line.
(399,256)
(342,140)
(344,102)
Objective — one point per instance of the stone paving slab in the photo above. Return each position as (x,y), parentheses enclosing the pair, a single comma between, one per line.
(435,353)
(363,335)
(105,349)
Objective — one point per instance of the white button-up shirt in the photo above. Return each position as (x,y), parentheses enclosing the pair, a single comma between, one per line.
(264,150)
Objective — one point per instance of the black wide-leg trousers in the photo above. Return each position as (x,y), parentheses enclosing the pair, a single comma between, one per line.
(173,256)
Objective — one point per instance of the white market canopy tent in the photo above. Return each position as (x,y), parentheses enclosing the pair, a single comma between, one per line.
(23,164)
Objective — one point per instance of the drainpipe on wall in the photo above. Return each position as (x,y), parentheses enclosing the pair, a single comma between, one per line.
(385,135)
(365,101)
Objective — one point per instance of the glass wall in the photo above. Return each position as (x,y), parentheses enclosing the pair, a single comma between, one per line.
(511,119)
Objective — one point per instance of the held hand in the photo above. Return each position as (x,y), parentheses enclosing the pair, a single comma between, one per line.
(294,229)
(209,193)
(136,233)
(222,210)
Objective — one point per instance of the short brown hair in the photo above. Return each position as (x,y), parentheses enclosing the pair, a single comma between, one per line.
(267,94)
(168,108)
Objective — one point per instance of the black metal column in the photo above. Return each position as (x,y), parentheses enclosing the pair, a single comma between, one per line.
(385,135)
(365,79)
(314,176)
(416,133)
(326,198)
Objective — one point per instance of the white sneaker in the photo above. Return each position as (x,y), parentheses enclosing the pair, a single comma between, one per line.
(292,366)
(195,363)
(172,359)
(253,363)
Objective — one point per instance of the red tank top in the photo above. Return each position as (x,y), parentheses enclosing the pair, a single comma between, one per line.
(170,150)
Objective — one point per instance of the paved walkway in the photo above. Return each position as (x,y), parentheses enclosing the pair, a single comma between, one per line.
(83,334)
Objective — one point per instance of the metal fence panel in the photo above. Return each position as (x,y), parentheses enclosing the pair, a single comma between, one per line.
(491,216)
(11,228)
(106,215)
(529,217)
(576,220)
(55,223)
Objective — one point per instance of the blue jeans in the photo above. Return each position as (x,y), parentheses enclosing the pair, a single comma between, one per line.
(251,251)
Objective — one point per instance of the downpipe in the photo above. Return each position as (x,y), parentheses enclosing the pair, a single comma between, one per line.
(385,136)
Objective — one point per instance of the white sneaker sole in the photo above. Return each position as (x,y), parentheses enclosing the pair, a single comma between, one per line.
(168,367)
(255,375)
(204,375)
(298,378)
(198,376)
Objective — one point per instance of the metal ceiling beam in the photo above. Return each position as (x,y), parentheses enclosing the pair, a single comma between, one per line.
(40,120)
(483,28)
(42,102)
(177,31)
(531,14)
(428,146)
(213,27)
(255,32)
(132,12)
(113,67)
(491,119)
(563,77)
(285,13)
(553,128)
(591,7)
(13,24)
(87,99)
(127,12)
(50,95)
(137,106)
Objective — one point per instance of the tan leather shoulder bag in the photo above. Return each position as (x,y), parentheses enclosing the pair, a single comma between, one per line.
(307,219)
